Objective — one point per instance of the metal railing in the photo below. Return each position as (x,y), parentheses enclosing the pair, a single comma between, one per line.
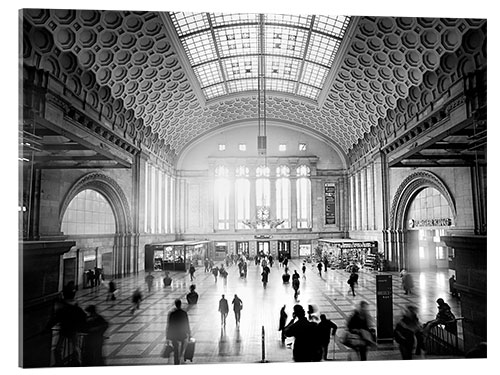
(67,352)
(443,340)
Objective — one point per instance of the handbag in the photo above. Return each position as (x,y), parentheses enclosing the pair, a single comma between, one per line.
(167,351)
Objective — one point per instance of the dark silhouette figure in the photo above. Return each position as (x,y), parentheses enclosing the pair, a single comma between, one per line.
(136,300)
(224,310)
(111,291)
(282,323)
(192,296)
(304,270)
(406,281)
(444,316)
(215,272)
(237,307)
(296,286)
(265,277)
(353,281)
(71,320)
(178,330)
(96,325)
(223,273)
(325,328)
(207,265)
(286,277)
(285,262)
(453,290)
(360,324)
(192,271)
(149,281)
(306,346)
(407,331)
(320,268)
(167,280)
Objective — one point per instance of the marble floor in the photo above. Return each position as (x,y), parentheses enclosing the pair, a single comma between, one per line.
(138,338)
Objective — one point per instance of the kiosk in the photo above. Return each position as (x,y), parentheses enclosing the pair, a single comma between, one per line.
(343,252)
(175,255)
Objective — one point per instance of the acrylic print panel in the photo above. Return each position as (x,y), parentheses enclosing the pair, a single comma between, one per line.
(126,78)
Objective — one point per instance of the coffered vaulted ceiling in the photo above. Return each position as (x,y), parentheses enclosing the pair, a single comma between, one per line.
(132,65)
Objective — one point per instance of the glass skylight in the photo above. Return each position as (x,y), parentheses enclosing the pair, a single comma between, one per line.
(223,51)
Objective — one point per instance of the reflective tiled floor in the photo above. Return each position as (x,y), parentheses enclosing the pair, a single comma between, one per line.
(137,339)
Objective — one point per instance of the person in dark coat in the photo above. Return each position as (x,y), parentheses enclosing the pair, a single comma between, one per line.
(320,268)
(224,310)
(353,281)
(360,323)
(207,265)
(167,280)
(265,277)
(215,272)
(325,328)
(285,261)
(237,307)
(282,323)
(306,344)
(191,271)
(192,296)
(71,320)
(406,332)
(286,277)
(406,281)
(149,281)
(111,291)
(136,300)
(96,325)
(178,331)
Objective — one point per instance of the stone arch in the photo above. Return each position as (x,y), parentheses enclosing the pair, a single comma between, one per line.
(124,248)
(409,188)
(110,189)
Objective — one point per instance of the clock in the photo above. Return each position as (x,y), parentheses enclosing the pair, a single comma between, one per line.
(263,213)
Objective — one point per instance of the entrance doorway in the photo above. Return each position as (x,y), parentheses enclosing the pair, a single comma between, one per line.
(242,249)
(425,251)
(263,247)
(284,249)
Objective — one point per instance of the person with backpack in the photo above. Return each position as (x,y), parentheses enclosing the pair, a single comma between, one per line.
(237,307)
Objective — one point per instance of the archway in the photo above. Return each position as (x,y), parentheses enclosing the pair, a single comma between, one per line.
(417,243)
(122,254)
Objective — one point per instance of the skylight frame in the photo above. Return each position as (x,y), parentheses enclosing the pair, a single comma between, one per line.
(299,51)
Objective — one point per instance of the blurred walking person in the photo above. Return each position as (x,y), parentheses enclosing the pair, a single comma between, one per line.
(178,331)
(96,325)
(136,300)
(237,307)
(149,281)
(353,281)
(224,310)
(408,331)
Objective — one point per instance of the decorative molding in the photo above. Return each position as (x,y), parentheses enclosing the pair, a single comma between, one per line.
(409,188)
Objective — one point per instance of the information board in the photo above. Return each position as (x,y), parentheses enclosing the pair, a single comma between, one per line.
(384,308)
(329,203)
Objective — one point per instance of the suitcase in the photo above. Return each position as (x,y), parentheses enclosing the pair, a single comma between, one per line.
(189,352)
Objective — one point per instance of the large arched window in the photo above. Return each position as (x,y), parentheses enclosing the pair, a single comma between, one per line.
(222,197)
(303,197)
(88,213)
(283,195)
(242,196)
(263,195)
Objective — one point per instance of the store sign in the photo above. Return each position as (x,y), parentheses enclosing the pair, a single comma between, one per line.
(444,222)
(262,236)
(357,245)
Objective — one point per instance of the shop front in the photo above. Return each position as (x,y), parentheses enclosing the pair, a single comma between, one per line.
(342,253)
(175,256)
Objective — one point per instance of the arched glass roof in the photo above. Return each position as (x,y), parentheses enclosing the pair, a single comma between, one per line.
(223,50)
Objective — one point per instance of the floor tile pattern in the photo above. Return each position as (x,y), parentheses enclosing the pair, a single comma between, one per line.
(138,338)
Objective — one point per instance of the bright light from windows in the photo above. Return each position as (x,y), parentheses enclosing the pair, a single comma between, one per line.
(421,252)
(242,147)
(222,147)
(302,147)
(282,147)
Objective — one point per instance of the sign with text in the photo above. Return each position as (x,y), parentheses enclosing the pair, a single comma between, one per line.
(329,203)
(384,308)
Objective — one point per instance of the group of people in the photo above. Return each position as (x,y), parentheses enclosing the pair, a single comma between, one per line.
(311,333)
(72,321)
(93,277)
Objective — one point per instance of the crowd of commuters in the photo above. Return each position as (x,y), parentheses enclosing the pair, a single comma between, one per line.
(309,331)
